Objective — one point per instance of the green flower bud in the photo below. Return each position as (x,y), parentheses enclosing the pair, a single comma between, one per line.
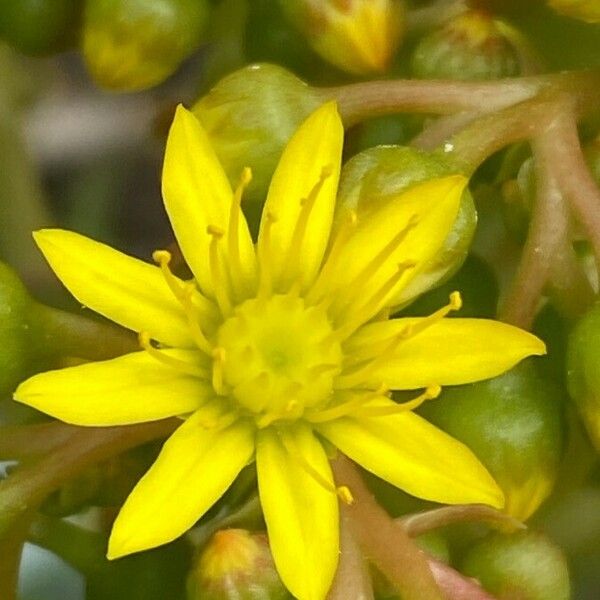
(17,353)
(153,575)
(586,10)
(236,565)
(513,425)
(358,36)
(131,45)
(39,26)
(583,370)
(372,177)
(524,565)
(250,115)
(472,46)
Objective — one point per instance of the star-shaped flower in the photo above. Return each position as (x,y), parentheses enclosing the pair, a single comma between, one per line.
(272,349)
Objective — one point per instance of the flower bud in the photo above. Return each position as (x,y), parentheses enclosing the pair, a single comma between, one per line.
(586,10)
(17,352)
(523,565)
(583,370)
(374,176)
(472,46)
(235,565)
(131,45)
(39,26)
(358,36)
(250,115)
(513,425)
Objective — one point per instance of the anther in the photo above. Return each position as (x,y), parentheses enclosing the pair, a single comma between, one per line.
(170,361)
(347,408)
(455,303)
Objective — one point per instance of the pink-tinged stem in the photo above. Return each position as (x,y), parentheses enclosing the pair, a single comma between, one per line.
(384,542)
(548,231)
(573,176)
(18,442)
(352,580)
(456,586)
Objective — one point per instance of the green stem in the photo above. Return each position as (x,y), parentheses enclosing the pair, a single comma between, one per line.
(27,487)
(81,548)
(11,548)
(64,333)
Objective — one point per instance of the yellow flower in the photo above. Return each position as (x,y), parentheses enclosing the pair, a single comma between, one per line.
(268,351)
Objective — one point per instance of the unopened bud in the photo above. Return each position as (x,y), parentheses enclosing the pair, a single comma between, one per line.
(250,116)
(39,26)
(131,45)
(513,423)
(524,565)
(472,46)
(235,565)
(358,36)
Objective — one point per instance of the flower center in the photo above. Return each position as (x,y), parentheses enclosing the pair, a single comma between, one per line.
(276,356)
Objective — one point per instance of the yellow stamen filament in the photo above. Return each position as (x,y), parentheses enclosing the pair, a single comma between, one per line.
(306,206)
(220,422)
(343,492)
(265,286)
(293,410)
(217,372)
(184,293)
(175,363)
(218,279)
(432,392)
(315,294)
(455,303)
(353,321)
(355,287)
(346,408)
(361,375)
(233,234)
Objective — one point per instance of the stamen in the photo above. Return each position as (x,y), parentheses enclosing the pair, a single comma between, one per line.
(363,314)
(218,280)
(455,303)
(292,410)
(346,408)
(343,492)
(163,259)
(346,229)
(295,249)
(362,374)
(217,372)
(265,286)
(175,363)
(233,233)
(197,334)
(432,392)
(318,370)
(220,422)
(357,284)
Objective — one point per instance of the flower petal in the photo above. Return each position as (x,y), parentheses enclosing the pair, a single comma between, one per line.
(133,388)
(197,194)
(415,456)
(449,352)
(194,469)
(126,290)
(421,216)
(301,515)
(315,149)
